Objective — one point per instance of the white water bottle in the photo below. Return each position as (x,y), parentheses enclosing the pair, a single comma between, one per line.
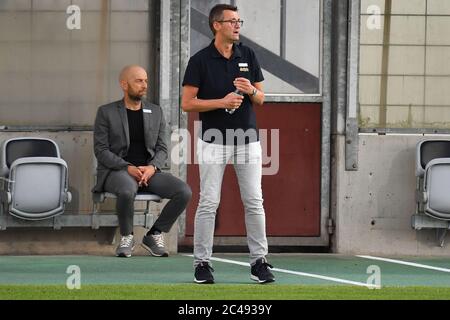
(231,111)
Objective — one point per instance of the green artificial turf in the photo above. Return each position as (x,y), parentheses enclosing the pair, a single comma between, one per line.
(219,292)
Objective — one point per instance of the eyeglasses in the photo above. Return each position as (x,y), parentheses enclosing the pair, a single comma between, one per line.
(233,22)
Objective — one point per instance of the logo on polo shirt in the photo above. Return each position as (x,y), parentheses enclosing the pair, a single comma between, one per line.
(243,67)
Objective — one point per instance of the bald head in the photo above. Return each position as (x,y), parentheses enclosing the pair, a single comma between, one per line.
(133,81)
(129,71)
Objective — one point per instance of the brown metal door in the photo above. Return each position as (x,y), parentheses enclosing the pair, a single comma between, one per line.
(292,196)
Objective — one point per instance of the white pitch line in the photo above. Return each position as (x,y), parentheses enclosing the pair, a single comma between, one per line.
(311,275)
(412,264)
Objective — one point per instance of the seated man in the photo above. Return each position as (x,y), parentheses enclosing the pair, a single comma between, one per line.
(130,147)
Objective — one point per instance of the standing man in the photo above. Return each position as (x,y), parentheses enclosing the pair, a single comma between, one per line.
(130,146)
(222,82)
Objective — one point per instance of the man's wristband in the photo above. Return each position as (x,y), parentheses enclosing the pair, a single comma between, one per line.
(254,92)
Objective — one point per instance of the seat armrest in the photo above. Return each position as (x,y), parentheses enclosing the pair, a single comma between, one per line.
(98,197)
(5,197)
(68,197)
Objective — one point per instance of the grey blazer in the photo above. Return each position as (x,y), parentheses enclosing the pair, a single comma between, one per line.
(112,138)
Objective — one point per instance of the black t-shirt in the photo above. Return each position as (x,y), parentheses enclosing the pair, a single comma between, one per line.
(137,152)
(213,75)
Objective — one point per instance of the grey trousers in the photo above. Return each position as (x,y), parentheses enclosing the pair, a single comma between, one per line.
(247,164)
(162,184)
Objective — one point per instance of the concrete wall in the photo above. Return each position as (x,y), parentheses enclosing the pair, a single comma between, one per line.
(373,206)
(408,55)
(76,149)
(53,76)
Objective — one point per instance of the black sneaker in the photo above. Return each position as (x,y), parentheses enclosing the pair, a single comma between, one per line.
(260,272)
(203,273)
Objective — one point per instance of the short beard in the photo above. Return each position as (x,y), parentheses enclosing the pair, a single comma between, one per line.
(135,98)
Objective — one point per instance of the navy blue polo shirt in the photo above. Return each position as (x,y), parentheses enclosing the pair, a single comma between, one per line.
(213,75)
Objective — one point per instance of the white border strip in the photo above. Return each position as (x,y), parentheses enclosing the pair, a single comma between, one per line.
(311,275)
(418,265)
